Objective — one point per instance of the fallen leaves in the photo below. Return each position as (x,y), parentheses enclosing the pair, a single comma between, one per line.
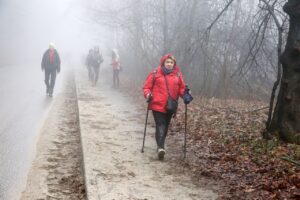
(224,143)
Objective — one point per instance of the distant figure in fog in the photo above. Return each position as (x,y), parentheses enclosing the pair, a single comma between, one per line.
(51,66)
(89,63)
(115,63)
(96,61)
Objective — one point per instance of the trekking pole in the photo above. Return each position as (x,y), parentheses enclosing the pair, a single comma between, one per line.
(187,99)
(185,127)
(145,126)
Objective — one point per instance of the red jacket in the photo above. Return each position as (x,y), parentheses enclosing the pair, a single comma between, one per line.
(159,89)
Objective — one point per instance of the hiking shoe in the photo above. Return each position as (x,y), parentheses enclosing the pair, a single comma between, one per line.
(161,153)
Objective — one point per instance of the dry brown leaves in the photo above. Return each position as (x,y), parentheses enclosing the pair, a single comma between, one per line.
(224,143)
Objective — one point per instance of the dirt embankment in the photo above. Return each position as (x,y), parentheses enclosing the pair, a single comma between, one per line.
(56,172)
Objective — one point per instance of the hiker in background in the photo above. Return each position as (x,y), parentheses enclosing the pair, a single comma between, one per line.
(89,63)
(51,66)
(96,62)
(162,88)
(116,66)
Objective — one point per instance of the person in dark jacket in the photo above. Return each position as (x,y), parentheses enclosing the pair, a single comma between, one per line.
(51,66)
(97,59)
(164,82)
(89,63)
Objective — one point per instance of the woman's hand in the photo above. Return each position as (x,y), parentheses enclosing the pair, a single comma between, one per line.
(149,97)
(187,97)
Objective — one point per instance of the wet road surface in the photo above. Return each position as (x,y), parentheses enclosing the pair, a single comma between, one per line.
(23,108)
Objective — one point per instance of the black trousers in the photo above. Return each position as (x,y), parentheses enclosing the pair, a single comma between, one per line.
(116,79)
(50,77)
(162,121)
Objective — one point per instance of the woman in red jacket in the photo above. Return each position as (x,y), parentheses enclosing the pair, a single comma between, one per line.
(163,82)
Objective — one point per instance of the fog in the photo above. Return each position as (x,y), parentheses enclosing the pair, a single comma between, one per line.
(27,27)
(230,54)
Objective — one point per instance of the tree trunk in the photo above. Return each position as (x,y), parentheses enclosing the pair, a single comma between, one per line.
(286,119)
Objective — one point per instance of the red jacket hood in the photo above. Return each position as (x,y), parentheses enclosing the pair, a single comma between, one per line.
(164,58)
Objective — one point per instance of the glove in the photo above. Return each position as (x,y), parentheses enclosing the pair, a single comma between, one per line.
(187,97)
(149,97)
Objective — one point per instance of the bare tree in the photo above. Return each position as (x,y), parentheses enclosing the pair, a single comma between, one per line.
(225,48)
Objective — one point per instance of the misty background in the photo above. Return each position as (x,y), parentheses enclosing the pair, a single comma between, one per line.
(27,27)
(225,49)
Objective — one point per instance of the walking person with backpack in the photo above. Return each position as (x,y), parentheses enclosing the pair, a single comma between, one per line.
(162,88)
(51,66)
(97,59)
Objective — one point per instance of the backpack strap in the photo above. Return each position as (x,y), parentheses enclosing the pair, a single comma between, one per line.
(154,77)
(178,75)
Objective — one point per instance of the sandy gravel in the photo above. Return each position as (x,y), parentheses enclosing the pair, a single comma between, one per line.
(112,131)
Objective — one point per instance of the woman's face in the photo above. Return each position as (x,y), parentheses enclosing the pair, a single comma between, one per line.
(169,63)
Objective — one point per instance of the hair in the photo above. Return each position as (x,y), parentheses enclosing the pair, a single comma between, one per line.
(172,58)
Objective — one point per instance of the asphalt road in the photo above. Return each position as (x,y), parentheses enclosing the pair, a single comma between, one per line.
(23,108)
